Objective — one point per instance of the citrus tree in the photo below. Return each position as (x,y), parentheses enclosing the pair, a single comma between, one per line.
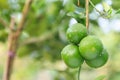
(49,32)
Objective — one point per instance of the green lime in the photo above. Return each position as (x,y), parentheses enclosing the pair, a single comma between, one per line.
(76,32)
(71,56)
(90,47)
(99,61)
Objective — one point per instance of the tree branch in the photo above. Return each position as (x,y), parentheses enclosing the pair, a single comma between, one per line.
(10,56)
(24,15)
(13,40)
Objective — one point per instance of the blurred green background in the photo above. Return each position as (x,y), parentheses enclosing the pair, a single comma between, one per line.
(38,56)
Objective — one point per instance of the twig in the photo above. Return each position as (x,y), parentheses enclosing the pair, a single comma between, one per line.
(87,13)
(13,40)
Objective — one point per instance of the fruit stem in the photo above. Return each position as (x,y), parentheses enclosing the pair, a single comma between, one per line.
(87,13)
(79,73)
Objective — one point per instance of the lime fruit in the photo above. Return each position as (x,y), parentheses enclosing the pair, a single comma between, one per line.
(71,56)
(76,32)
(90,47)
(99,61)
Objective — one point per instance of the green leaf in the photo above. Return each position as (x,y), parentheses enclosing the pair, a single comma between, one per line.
(101,77)
(77,13)
(117,12)
(69,6)
(107,13)
(79,10)
(106,7)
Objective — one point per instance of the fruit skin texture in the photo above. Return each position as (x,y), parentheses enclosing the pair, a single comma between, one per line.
(76,32)
(99,61)
(90,47)
(71,56)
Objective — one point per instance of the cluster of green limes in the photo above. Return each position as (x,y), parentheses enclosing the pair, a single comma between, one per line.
(83,47)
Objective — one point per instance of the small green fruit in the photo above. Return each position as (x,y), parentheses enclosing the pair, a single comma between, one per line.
(90,47)
(76,32)
(71,56)
(99,61)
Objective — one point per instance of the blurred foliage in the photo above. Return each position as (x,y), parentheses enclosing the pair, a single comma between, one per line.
(100,77)
(115,4)
(43,53)
(4,4)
